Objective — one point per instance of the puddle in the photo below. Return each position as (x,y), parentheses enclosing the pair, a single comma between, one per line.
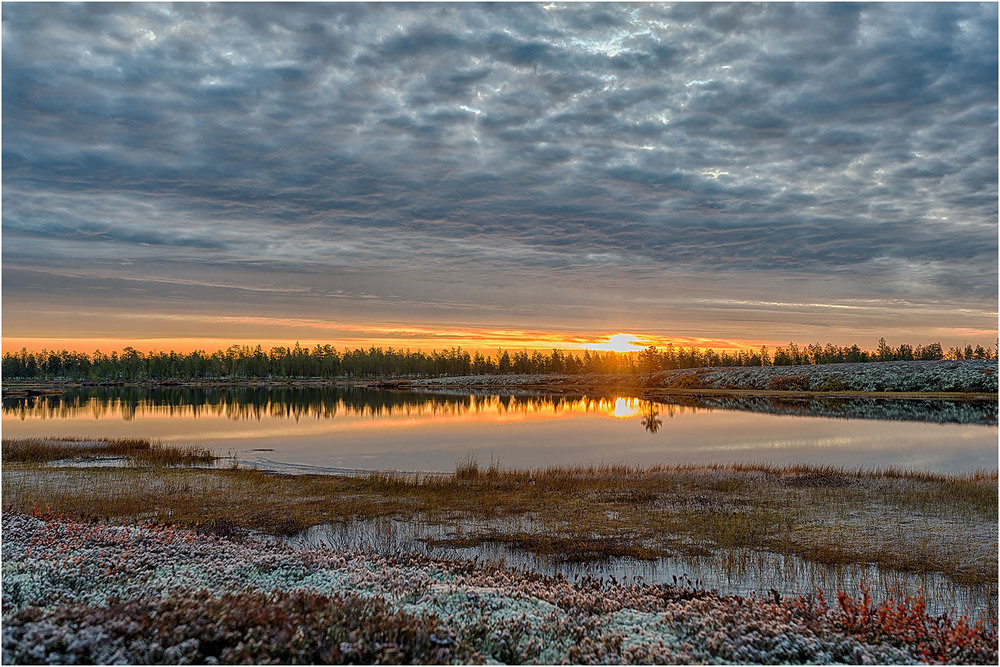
(732,572)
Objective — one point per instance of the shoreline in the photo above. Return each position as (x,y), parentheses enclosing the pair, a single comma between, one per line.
(967,380)
(972,407)
(36,390)
(803,515)
(56,388)
(15,389)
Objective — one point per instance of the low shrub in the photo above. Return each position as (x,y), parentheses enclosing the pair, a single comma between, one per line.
(691,381)
(789,383)
(245,628)
(904,624)
(829,383)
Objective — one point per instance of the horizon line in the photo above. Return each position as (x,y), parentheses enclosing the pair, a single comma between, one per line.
(210,345)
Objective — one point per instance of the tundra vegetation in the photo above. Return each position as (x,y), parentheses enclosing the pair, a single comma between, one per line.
(899,521)
(906,520)
(146,594)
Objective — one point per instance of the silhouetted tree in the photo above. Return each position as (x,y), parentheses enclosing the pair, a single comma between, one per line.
(649,360)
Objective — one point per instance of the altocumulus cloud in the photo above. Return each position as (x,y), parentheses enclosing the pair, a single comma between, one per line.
(654,166)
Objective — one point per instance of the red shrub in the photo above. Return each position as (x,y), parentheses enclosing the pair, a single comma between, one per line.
(907,624)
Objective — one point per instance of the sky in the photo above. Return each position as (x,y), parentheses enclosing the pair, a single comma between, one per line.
(519,175)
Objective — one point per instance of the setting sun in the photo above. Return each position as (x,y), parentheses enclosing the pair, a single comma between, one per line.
(620,342)
(399,328)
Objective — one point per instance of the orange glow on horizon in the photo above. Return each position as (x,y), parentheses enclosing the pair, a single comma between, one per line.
(484,341)
(620,342)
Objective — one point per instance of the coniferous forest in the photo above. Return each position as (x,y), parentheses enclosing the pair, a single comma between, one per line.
(325,361)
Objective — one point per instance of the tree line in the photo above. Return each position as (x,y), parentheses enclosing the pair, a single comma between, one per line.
(324,361)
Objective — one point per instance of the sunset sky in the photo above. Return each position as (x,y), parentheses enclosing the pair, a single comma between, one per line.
(530,175)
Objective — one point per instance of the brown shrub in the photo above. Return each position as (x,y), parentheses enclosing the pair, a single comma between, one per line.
(832,384)
(247,628)
(694,381)
(789,383)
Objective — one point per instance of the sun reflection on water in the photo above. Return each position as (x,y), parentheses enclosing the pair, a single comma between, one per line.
(625,408)
(361,428)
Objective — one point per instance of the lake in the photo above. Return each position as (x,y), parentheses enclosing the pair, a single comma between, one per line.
(337,429)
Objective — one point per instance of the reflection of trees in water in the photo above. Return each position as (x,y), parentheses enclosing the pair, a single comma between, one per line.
(256,403)
(238,403)
(651,420)
(889,409)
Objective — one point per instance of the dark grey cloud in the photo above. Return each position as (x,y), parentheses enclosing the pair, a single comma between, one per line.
(403,151)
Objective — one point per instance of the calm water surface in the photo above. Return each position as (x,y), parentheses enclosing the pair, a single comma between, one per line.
(334,429)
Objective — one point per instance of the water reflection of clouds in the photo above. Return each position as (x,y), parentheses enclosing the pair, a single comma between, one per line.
(801,443)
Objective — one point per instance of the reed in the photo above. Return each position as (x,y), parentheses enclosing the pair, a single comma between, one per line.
(575,550)
(140,451)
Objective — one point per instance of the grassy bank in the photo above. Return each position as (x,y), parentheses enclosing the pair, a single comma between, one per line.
(899,520)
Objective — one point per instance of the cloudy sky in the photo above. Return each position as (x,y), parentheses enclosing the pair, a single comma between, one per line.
(434,174)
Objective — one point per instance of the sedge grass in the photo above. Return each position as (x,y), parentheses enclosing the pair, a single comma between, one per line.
(141,451)
(897,520)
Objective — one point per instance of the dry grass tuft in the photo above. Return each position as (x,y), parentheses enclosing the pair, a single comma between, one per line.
(140,451)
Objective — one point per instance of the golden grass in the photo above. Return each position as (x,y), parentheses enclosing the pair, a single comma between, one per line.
(900,520)
(140,451)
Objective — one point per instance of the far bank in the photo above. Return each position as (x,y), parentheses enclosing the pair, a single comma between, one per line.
(948,379)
